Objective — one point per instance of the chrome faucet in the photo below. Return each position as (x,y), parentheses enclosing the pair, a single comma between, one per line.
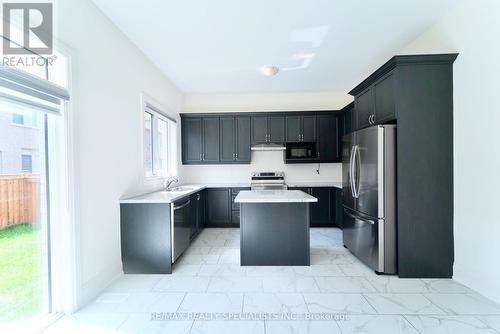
(169,181)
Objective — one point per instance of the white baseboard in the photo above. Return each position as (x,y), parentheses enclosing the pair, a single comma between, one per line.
(93,287)
(480,283)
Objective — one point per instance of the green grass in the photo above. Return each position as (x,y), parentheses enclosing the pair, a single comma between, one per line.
(20,272)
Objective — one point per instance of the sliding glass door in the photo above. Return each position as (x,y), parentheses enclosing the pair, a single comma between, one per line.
(24,217)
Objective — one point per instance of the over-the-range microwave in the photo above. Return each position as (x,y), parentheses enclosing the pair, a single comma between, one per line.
(300,152)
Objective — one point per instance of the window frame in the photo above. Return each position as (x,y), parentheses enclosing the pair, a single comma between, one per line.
(23,156)
(158,112)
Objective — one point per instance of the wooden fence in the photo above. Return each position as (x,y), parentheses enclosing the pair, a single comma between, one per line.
(19,199)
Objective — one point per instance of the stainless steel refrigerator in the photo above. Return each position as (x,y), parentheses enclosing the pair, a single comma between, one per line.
(369,196)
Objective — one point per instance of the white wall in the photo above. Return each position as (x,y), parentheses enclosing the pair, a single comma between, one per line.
(473,29)
(261,162)
(108,76)
(264,161)
(266,102)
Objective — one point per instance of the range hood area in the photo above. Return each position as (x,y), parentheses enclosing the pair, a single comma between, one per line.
(268,147)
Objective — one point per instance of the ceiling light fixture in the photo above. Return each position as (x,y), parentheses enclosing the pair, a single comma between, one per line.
(269,71)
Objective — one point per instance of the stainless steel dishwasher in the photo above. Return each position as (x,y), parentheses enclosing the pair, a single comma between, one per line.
(180,227)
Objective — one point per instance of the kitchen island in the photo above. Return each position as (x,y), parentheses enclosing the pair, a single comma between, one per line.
(274,227)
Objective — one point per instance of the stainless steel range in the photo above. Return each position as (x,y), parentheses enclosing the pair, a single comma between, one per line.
(268,181)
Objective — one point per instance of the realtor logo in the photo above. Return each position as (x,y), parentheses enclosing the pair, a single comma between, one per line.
(37,28)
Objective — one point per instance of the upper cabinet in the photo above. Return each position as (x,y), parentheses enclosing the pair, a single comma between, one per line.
(268,129)
(227,138)
(328,142)
(347,119)
(375,103)
(215,140)
(243,133)
(300,128)
(383,99)
(192,140)
(211,148)
(235,139)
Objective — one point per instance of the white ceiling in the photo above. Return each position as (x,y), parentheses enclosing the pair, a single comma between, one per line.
(218,46)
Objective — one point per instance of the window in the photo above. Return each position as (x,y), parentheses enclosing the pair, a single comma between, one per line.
(25,118)
(148,144)
(159,143)
(26,163)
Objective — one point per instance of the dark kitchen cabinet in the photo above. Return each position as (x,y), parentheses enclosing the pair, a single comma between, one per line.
(218,207)
(211,139)
(293,129)
(235,139)
(192,149)
(375,104)
(197,213)
(337,209)
(347,119)
(300,128)
(200,140)
(193,215)
(268,129)
(227,139)
(416,92)
(321,215)
(383,95)
(277,129)
(309,128)
(328,141)
(235,207)
(216,140)
(243,140)
(364,108)
(324,212)
(146,248)
(259,130)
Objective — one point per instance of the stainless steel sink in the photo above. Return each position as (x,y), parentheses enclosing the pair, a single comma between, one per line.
(181,189)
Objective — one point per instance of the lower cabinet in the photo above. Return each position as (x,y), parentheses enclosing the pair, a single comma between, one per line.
(327,211)
(235,207)
(218,207)
(197,213)
(321,211)
(221,209)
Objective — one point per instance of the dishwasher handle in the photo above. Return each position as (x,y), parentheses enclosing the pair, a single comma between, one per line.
(182,205)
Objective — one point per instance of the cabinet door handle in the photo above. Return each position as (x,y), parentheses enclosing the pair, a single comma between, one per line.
(236,156)
(201,156)
(198,197)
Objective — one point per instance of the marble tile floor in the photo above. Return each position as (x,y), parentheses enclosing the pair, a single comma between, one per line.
(209,292)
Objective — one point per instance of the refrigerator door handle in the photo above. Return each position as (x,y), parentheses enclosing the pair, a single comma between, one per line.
(359,218)
(356,169)
(350,172)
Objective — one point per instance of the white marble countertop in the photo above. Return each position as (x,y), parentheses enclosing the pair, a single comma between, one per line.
(315,184)
(162,196)
(274,196)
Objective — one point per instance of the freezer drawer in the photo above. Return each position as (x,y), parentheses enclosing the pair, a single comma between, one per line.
(370,241)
